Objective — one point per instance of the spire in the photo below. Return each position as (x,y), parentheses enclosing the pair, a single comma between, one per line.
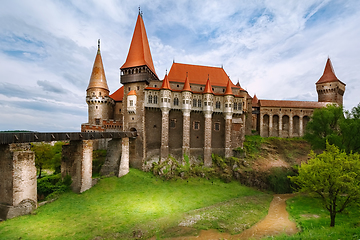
(165,83)
(255,101)
(139,51)
(238,84)
(98,79)
(186,84)
(228,90)
(329,74)
(208,88)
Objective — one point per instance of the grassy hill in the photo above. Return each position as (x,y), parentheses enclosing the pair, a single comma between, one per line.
(140,205)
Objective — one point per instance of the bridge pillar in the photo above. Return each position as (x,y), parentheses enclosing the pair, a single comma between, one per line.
(18,186)
(124,163)
(77,162)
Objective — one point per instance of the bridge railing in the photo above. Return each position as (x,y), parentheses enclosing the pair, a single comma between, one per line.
(24,137)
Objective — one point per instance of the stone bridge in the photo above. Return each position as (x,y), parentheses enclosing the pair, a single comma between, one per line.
(18,183)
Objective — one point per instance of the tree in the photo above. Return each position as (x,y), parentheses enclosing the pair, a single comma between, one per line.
(350,130)
(334,176)
(43,155)
(325,126)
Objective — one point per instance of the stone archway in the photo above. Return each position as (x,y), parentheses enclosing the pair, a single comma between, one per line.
(306,119)
(285,126)
(265,124)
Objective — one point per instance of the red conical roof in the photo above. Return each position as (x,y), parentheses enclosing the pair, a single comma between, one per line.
(255,101)
(139,51)
(98,79)
(228,90)
(186,85)
(208,87)
(165,83)
(328,75)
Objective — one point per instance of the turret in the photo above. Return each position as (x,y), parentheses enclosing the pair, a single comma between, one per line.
(186,94)
(208,98)
(97,94)
(329,87)
(228,100)
(139,66)
(165,94)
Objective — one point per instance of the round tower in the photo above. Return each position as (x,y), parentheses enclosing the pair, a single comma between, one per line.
(97,94)
(329,88)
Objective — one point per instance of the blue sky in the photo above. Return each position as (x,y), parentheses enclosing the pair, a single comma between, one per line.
(276,49)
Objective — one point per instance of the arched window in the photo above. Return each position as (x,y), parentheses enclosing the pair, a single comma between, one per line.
(155,99)
(235,106)
(194,102)
(150,98)
(199,103)
(176,101)
(217,104)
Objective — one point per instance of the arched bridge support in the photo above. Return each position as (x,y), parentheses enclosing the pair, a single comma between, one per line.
(77,162)
(18,186)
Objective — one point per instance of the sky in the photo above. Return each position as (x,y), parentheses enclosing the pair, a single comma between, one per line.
(276,49)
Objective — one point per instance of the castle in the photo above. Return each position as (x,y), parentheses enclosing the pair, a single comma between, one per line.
(195,110)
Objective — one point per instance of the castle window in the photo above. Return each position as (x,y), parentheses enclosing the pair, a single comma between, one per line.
(150,99)
(155,99)
(235,106)
(155,85)
(129,89)
(199,103)
(217,105)
(196,125)
(205,104)
(217,126)
(138,88)
(97,121)
(172,123)
(99,94)
(177,85)
(200,88)
(223,90)
(176,101)
(131,103)
(187,101)
(194,102)
(226,105)
(96,107)
(230,105)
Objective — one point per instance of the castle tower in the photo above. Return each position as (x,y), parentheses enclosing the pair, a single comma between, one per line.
(97,93)
(165,106)
(186,95)
(136,73)
(208,110)
(228,112)
(329,87)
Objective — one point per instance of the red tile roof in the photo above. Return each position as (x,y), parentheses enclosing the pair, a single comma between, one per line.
(118,95)
(132,92)
(199,74)
(228,90)
(291,104)
(186,84)
(208,87)
(139,51)
(329,74)
(255,101)
(98,79)
(165,83)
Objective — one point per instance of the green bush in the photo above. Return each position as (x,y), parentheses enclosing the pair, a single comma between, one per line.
(278,180)
(50,186)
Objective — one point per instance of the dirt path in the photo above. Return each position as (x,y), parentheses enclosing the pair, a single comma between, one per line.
(276,222)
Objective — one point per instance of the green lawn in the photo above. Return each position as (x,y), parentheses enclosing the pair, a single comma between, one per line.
(139,202)
(314,221)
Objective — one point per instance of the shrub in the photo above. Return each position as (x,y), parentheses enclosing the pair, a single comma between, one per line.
(50,186)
